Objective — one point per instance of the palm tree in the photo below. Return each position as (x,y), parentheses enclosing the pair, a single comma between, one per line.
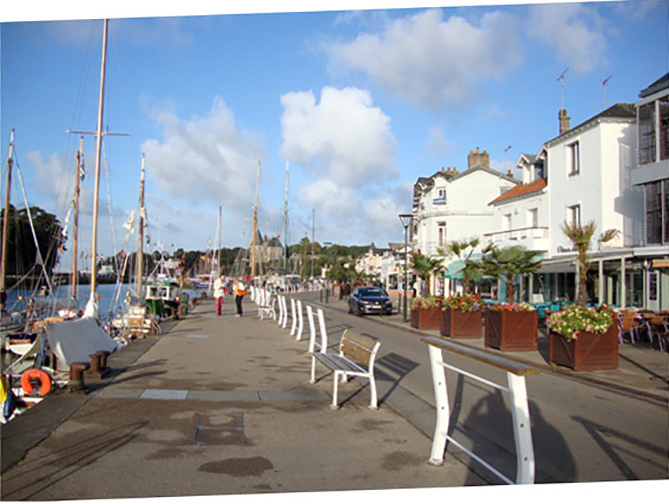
(426,267)
(464,250)
(509,262)
(581,236)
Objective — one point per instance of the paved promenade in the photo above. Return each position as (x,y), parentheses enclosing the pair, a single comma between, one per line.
(218,405)
(223,406)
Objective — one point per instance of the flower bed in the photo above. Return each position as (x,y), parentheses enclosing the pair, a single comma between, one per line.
(462,316)
(426,313)
(584,339)
(512,327)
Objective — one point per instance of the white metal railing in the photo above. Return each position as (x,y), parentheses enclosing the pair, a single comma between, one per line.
(520,412)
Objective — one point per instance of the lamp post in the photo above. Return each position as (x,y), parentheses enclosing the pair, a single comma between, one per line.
(327,282)
(405,219)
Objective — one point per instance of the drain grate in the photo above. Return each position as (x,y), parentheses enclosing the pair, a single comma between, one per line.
(230,434)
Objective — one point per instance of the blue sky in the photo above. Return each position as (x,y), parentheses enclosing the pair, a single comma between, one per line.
(358,104)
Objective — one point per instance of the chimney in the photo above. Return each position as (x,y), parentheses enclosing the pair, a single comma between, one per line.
(478,158)
(564,121)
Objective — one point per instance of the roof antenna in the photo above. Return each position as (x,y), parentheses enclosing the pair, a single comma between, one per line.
(561,79)
(604,83)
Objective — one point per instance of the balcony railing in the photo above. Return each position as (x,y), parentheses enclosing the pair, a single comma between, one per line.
(518,234)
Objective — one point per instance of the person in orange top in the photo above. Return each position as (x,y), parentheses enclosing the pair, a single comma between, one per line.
(240,292)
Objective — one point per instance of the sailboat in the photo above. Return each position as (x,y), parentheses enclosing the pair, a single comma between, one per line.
(61,344)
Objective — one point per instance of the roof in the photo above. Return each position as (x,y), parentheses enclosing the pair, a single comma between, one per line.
(521,190)
(617,111)
(486,169)
(658,85)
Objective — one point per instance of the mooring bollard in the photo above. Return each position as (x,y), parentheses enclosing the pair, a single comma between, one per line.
(76,381)
(95,364)
(104,354)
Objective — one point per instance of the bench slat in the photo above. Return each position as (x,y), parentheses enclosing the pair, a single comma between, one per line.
(358,347)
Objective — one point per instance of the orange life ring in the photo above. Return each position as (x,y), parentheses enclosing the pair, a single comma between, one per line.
(38,374)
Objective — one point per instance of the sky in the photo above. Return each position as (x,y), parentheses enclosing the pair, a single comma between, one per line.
(355,105)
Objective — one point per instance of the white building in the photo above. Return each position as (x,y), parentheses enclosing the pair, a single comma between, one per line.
(452,206)
(582,175)
(371,262)
(652,175)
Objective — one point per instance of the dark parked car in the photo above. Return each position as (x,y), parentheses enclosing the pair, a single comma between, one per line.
(365,299)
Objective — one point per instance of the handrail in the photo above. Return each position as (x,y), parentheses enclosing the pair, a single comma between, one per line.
(516,373)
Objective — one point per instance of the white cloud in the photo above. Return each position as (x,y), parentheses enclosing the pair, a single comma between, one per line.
(205,160)
(343,137)
(438,144)
(431,61)
(573,31)
(51,179)
(346,145)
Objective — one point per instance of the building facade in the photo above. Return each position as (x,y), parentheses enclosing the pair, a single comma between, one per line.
(453,206)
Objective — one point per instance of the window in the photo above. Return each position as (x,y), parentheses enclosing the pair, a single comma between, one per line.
(664,128)
(441,235)
(573,160)
(506,222)
(655,211)
(441,197)
(533,217)
(646,127)
(574,215)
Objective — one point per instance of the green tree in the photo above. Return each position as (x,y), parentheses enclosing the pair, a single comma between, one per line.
(426,267)
(581,237)
(21,249)
(464,249)
(510,262)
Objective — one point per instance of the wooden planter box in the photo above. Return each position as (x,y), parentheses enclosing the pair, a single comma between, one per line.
(457,324)
(588,352)
(426,318)
(512,331)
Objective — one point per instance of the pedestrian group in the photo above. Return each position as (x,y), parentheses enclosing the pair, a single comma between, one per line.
(223,286)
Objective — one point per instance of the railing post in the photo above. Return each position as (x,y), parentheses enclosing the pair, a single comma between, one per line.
(293,309)
(312,327)
(300,320)
(443,408)
(522,430)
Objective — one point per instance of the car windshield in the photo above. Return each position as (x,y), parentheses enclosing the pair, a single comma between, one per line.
(372,291)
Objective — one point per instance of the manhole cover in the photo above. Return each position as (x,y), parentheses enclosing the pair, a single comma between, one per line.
(230,434)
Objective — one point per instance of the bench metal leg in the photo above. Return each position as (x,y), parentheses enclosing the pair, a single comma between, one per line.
(337,376)
(373,401)
(313,370)
(443,409)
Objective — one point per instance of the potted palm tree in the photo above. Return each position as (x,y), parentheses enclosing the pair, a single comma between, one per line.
(511,326)
(426,309)
(461,315)
(581,337)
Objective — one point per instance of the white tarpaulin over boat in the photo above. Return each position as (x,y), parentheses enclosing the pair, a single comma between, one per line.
(75,340)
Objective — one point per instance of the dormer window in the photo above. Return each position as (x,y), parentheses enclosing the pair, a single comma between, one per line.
(441,197)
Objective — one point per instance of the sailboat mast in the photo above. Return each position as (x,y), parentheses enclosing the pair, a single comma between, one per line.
(94,245)
(75,240)
(5,223)
(255,226)
(140,235)
(220,220)
(285,223)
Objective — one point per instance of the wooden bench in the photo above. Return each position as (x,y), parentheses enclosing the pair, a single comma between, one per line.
(355,358)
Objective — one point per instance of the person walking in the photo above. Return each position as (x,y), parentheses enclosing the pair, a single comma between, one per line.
(219,294)
(240,292)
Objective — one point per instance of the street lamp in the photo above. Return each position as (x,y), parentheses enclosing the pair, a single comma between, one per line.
(405,219)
